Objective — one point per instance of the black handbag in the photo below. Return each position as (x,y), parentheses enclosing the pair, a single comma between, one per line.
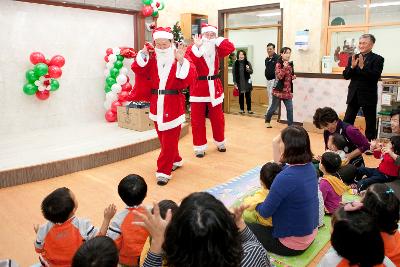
(278,85)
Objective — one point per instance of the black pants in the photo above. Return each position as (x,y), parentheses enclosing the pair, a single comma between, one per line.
(270,243)
(248,100)
(369,114)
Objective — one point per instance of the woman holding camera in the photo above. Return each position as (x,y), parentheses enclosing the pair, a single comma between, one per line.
(283,88)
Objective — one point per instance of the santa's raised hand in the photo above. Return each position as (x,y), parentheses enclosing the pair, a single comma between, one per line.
(180,53)
(198,41)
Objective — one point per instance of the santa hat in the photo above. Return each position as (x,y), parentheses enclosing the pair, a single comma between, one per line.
(208,28)
(164,33)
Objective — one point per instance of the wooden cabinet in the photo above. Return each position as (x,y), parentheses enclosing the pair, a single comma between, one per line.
(190,23)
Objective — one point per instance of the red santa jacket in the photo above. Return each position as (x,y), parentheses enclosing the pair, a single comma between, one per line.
(167,110)
(209,90)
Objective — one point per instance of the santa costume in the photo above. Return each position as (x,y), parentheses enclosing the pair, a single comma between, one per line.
(208,90)
(167,78)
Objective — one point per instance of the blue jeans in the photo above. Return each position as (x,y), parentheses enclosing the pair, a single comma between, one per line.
(275,103)
(374,176)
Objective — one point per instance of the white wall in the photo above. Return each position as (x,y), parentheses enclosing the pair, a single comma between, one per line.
(81,36)
(297,15)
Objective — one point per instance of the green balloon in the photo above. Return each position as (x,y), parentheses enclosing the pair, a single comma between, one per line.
(107,88)
(162,5)
(54,84)
(40,69)
(30,89)
(118,64)
(30,76)
(155,14)
(147,2)
(110,81)
(114,72)
(120,58)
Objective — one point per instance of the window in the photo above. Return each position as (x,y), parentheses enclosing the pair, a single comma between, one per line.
(254,18)
(348,20)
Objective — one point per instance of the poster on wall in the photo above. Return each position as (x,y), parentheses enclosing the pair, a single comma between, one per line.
(302,40)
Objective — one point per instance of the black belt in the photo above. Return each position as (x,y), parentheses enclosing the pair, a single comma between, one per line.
(214,77)
(164,92)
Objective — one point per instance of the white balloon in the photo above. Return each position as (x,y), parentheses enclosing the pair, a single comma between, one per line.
(116,51)
(123,70)
(116,88)
(48,87)
(106,72)
(111,96)
(42,78)
(109,65)
(107,104)
(121,79)
(112,58)
(38,83)
(41,88)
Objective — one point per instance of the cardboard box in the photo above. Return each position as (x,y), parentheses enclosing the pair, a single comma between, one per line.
(359,123)
(309,127)
(134,118)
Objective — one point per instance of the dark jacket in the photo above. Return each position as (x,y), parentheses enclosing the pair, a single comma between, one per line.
(236,76)
(270,67)
(364,82)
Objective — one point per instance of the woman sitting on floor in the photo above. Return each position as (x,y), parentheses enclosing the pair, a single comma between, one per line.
(293,198)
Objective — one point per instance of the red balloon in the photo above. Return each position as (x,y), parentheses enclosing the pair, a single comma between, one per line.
(57,60)
(47,62)
(110,116)
(37,57)
(114,106)
(106,58)
(147,11)
(126,87)
(109,51)
(42,95)
(122,97)
(46,76)
(54,72)
(46,82)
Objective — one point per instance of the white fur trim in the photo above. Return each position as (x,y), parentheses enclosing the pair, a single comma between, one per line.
(199,99)
(217,101)
(198,52)
(140,60)
(219,143)
(164,126)
(182,71)
(178,163)
(152,117)
(219,40)
(209,29)
(160,174)
(163,35)
(200,148)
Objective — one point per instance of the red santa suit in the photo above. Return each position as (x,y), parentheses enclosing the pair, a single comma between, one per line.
(167,103)
(208,91)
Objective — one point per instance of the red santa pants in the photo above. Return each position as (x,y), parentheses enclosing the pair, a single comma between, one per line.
(198,119)
(169,150)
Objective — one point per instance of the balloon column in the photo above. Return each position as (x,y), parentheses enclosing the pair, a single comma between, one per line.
(152,7)
(117,85)
(42,79)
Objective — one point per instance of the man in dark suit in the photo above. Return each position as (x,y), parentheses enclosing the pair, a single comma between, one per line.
(364,70)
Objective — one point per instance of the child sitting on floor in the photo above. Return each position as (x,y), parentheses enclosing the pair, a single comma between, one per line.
(336,144)
(331,185)
(383,205)
(164,206)
(59,239)
(97,252)
(355,239)
(267,175)
(128,236)
(387,171)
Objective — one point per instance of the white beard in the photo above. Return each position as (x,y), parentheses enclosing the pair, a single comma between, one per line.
(209,48)
(165,56)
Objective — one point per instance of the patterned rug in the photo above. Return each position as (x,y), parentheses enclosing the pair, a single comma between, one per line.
(233,192)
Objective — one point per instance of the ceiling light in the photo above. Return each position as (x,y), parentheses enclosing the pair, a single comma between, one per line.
(396,3)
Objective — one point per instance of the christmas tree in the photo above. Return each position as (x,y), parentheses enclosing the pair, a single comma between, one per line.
(177,32)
